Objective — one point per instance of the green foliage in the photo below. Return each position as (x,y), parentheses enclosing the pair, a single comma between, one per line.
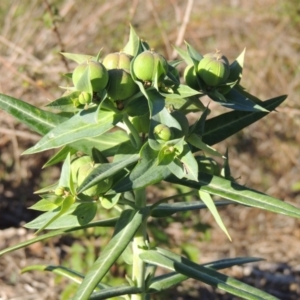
(122,130)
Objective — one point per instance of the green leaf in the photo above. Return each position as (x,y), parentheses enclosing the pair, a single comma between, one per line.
(180,91)
(236,68)
(59,156)
(176,168)
(130,220)
(133,46)
(109,201)
(195,105)
(237,193)
(35,118)
(193,53)
(189,163)
(66,103)
(42,122)
(221,127)
(49,188)
(81,126)
(196,141)
(63,271)
(108,143)
(184,55)
(115,291)
(168,209)
(64,208)
(206,275)
(103,223)
(235,100)
(229,262)
(146,172)
(76,215)
(206,198)
(65,179)
(84,83)
(79,58)
(107,170)
(166,281)
(44,205)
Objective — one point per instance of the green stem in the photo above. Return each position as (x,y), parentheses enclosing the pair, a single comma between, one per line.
(135,137)
(138,267)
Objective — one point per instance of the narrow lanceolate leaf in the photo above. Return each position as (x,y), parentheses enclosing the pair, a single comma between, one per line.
(67,203)
(206,198)
(181,91)
(81,126)
(235,100)
(221,127)
(184,55)
(108,143)
(166,281)
(79,58)
(76,215)
(103,223)
(196,141)
(107,170)
(115,291)
(168,209)
(35,118)
(232,191)
(236,68)
(130,220)
(205,275)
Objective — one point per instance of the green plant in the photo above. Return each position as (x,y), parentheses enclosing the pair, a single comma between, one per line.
(124,160)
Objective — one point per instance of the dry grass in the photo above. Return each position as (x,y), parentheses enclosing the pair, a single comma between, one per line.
(265,156)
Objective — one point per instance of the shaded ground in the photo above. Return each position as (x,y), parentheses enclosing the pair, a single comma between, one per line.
(264,156)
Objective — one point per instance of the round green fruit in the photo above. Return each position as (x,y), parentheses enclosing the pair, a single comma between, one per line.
(121,85)
(190,77)
(117,60)
(145,64)
(97,189)
(163,132)
(213,68)
(59,191)
(97,72)
(85,98)
(77,163)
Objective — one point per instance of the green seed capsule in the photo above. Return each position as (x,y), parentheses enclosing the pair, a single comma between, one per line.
(163,132)
(144,66)
(97,189)
(190,77)
(85,98)
(121,85)
(59,191)
(98,75)
(213,68)
(117,60)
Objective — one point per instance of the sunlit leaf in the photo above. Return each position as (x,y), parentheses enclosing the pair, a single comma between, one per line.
(131,220)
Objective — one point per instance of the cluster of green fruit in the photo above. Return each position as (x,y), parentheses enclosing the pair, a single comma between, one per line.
(212,70)
(81,167)
(114,75)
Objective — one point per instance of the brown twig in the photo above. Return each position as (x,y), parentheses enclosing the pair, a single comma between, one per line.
(57,34)
(183,26)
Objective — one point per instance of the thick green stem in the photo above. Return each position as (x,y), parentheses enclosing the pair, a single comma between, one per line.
(138,267)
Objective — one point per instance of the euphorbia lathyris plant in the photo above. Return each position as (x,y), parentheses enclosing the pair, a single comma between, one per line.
(121,127)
